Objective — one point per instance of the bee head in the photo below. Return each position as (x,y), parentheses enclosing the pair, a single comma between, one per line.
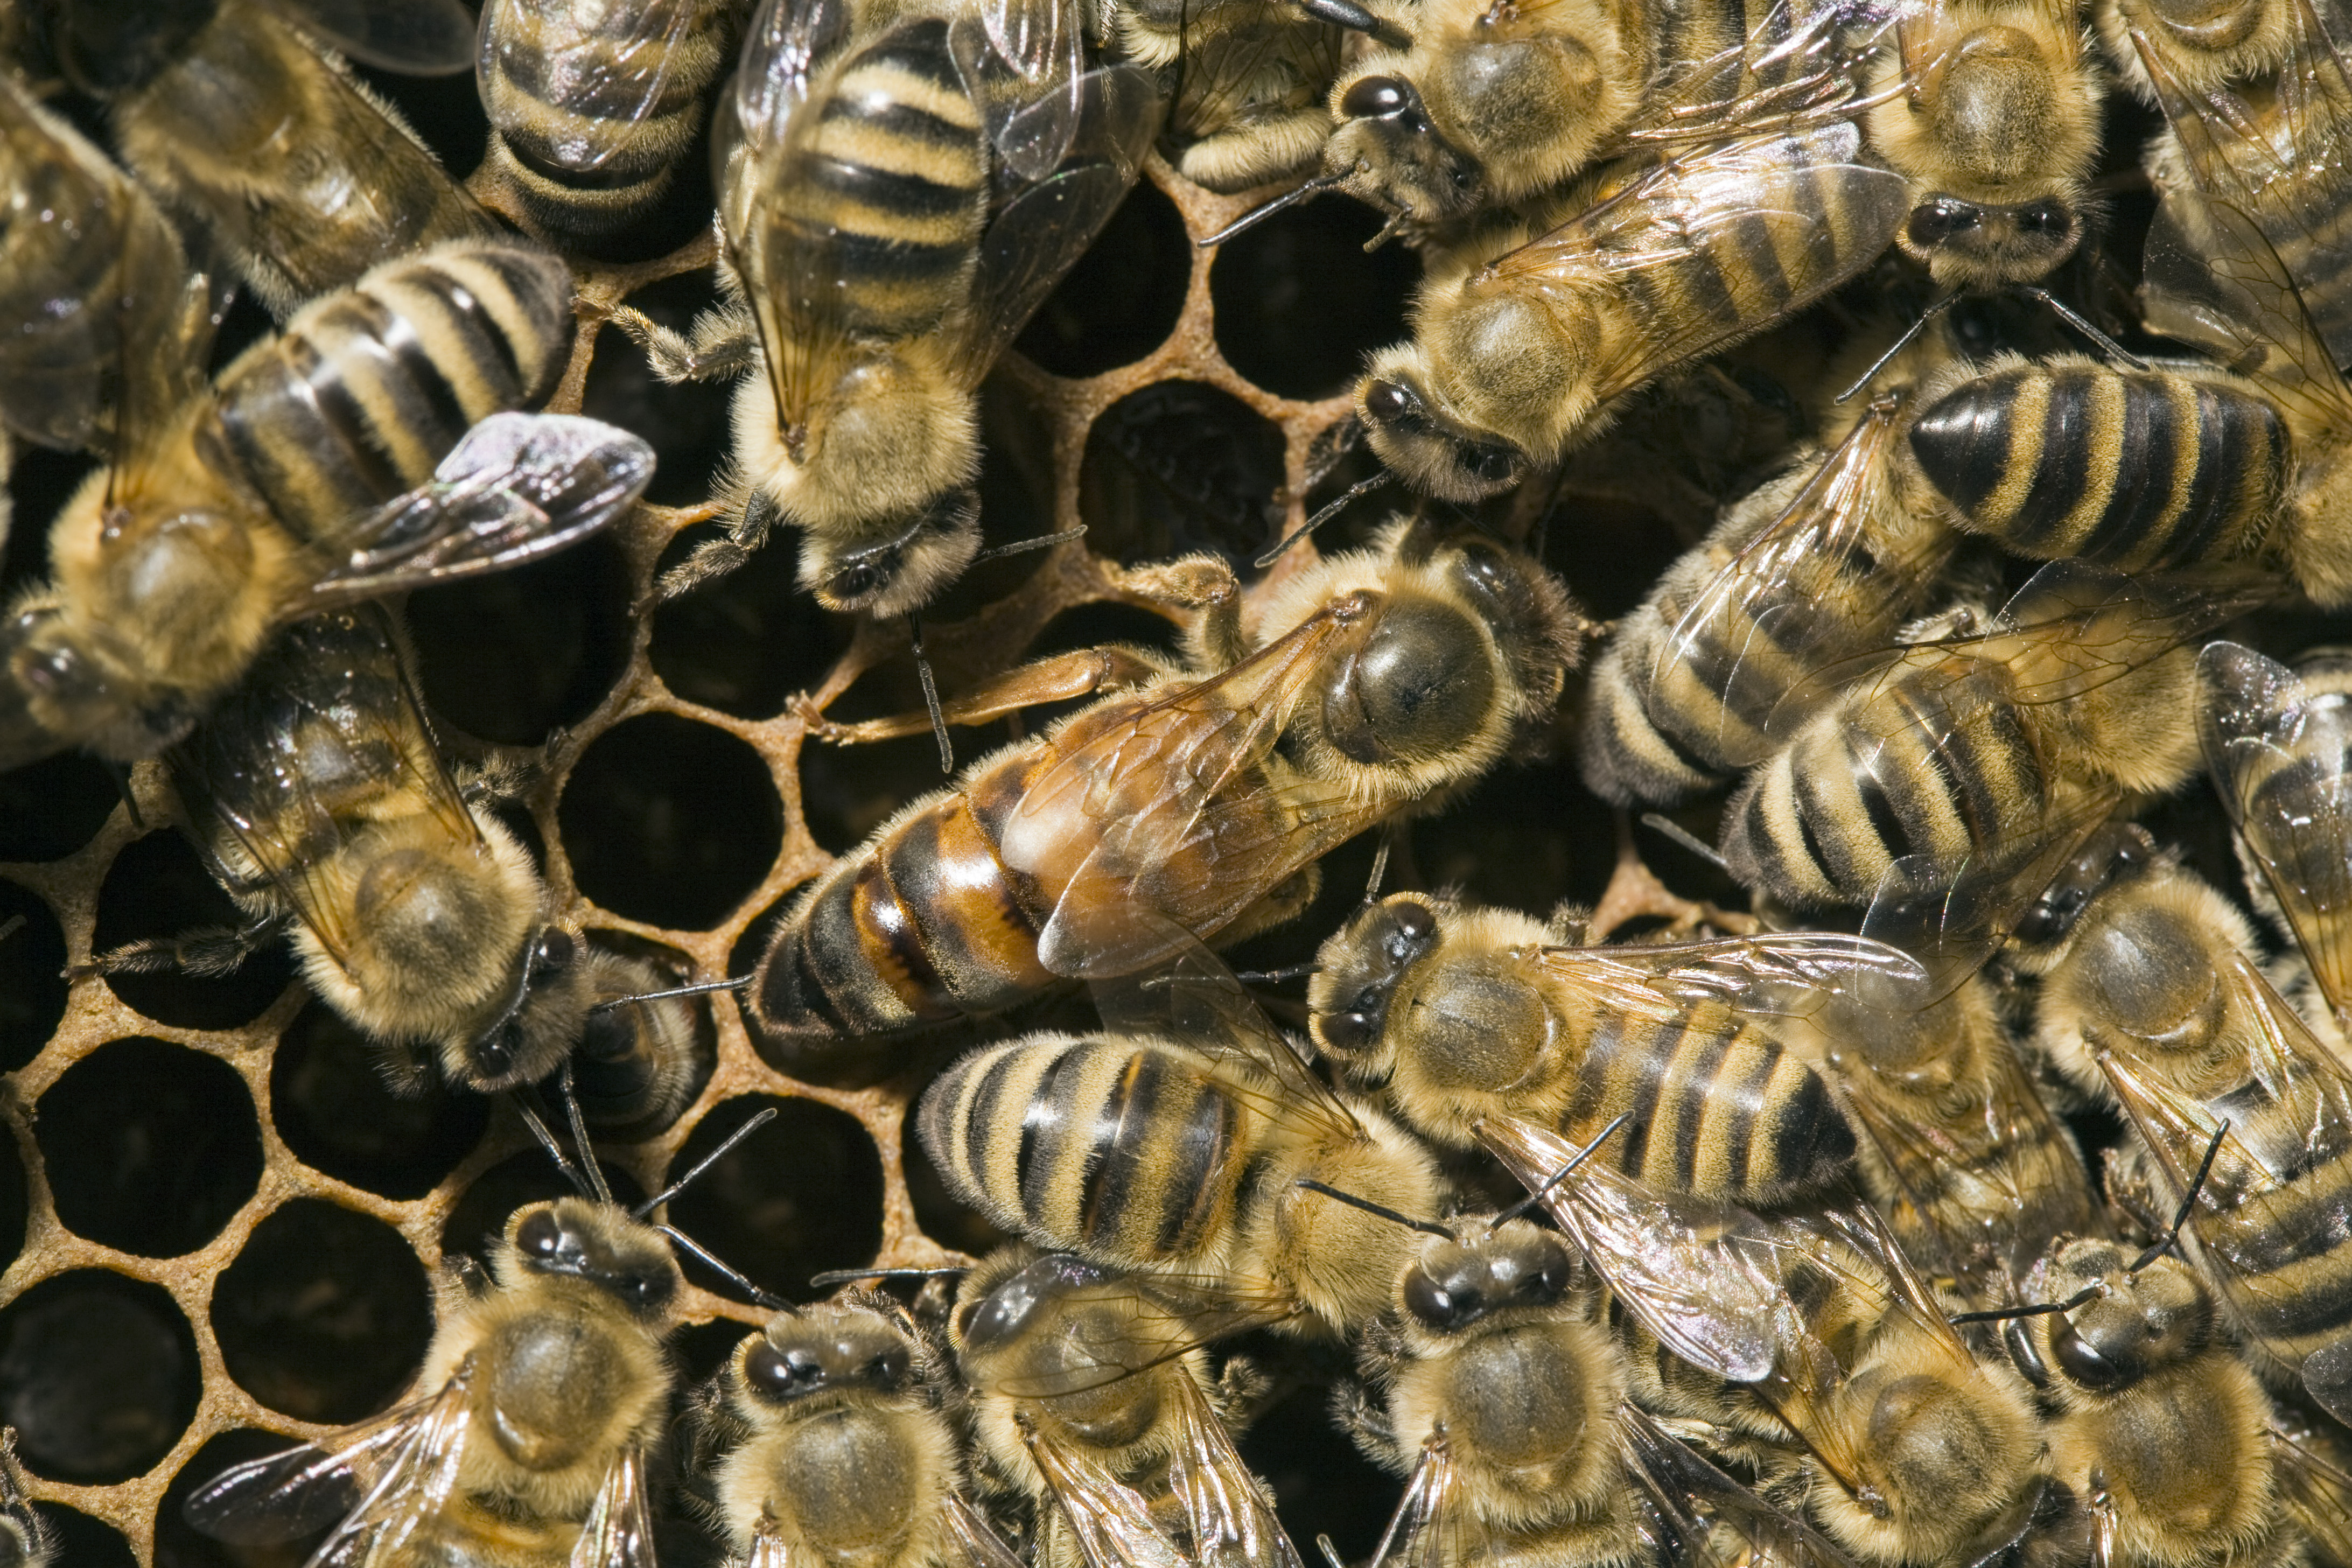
(807,1355)
(1455,1283)
(1004,1312)
(1985,244)
(636,1062)
(538,1017)
(1388,151)
(2137,1323)
(65,687)
(1415,438)
(575,1238)
(903,572)
(1356,977)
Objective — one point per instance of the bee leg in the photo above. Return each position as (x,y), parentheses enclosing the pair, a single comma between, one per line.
(723,344)
(1244,1390)
(1366,1422)
(498,781)
(208,951)
(1203,584)
(715,558)
(1060,677)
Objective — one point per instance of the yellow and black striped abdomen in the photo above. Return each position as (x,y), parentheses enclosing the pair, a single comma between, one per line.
(1125,1151)
(1711,1107)
(896,176)
(2134,469)
(2284,1261)
(370,387)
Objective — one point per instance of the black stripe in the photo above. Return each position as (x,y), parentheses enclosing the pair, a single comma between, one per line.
(897,117)
(1812,1139)
(1805,806)
(1690,1115)
(1962,443)
(475,327)
(911,855)
(1044,1130)
(398,335)
(1741,1104)
(1122,1132)
(967,1133)
(921,49)
(828,957)
(327,377)
(1194,1157)
(1641,1111)
(2061,468)
(905,196)
(2146,457)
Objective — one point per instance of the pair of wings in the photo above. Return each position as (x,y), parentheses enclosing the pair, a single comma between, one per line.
(1065,144)
(381,1481)
(975,1536)
(1233,76)
(623,57)
(414,37)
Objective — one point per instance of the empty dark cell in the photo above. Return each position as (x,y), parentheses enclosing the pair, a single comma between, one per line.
(445,110)
(40,481)
(179,1545)
(247,322)
(701,1348)
(747,641)
(98,1375)
(802,1195)
(943,1219)
(83,1541)
(325,1313)
(686,421)
(149,1147)
(1610,579)
(846,792)
(1322,1483)
(511,655)
(670,822)
(51,808)
(333,1105)
(1299,302)
(1522,836)
(528,1177)
(14,1198)
(1122,299)
(32,979)
(158,887)
(1179,467)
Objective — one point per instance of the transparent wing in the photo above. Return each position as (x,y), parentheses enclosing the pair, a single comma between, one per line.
(381,1478)
(619,1529)
(624,59)
(1796,65)
(1430,1529)
(2316,1490)
(1704,1509)
(1228,1512)
(2281,763)
(1775,974)
(982,1547)
(519,486)
(1111,1520)
(784,48)
(1021,60)
(1159,1318)
(415,37)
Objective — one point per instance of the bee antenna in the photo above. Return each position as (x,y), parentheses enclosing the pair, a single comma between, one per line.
(2001,1314)
(1943,302)
(1306,190)
(14,924)
(703,1165)
(1427,1227)
(1248,976)
(2099,339)
(703,989)
(1356,19)
(2187,1202)
(121,773)
(580,1133)
(1037,541)
(554,1150)
(1330,1552)
(931,691)
(1555,1179)
(1380,868)
(767,1298)
(832,1278)
(1320,517)
(1676,833)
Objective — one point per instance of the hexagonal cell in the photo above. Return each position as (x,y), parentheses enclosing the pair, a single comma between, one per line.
(802,1195)
(511,656)
(84,1541)
(51,808)
(687,422)
(179,1545)
(1299,302)
(1180,467)
(325,1313)
(481,1214)
(747,641)
(32,977)
(1122,299)
(158,887)
(98,1375)
(149,1147)
(670,822)
(338,1116)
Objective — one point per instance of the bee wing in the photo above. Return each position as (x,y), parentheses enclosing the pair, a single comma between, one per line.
(1109,1519)
(329,686)
(381,1478)
(1699,1504)
(2317,1492)
(1773,974)
(1795,64)
(1430,1528)
(1231,1517)
(1021,61)
(1669,217)
(1112,115)
(1865,1230)
(2280,764)
(1167,1316)
(1700,1275)
(1759,622)
(619,1530)
(624,56)
(981,1545)
(414,37)
(783,48)
(1145,818)
(519,486)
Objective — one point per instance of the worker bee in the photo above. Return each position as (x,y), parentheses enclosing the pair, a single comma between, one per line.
(594,109)
(232,114)
(900,196)
(1188,1138)
(1453,1012)
(1248,105)
(636,1060)
(2157,1004)
(25,1540)
(287,490)
(1519,349)
(1954,751)
(1091,1398)
(838,1450)
(1917,1451)
(1193,806)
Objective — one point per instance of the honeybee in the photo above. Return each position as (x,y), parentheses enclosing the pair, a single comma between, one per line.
(1518,350)
(2277,749)
(1089,1397)
(1248,105)
(1918,1452)
(1453,1012)
(231,113)
(636,1061)
(901,193)
(25,1541)
(2158,1005)
(1190,807)
(1952,751)
(592,110)
(1188,1138)
(286,489)
(839,1451)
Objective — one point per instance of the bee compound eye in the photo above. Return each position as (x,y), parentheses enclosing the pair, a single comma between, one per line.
(1386,402)
(541,1234)
(2101,1363)
(1375,98)
(556,950)
(779,1374)
(888,1368)
(1414,926)
(1491,464)
(1428,1300)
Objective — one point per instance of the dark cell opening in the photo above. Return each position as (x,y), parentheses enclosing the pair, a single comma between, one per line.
(51,808)
(1180,467)
(149,1147)
(444,111)
(324,1314)
(98,1375)
(512,656)
(801,1195)
(943,1218)
(332,1103)
(32,978)
(158,887)
(670,822)
(701,1348)
(1299,303)
(528,1177)
(1122,299)
(40,482)
(83,1541)
(1322,1484)
(179,1545)
(687,421)
(747,641)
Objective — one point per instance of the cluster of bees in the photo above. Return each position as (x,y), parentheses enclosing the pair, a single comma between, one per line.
(1829,1280)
